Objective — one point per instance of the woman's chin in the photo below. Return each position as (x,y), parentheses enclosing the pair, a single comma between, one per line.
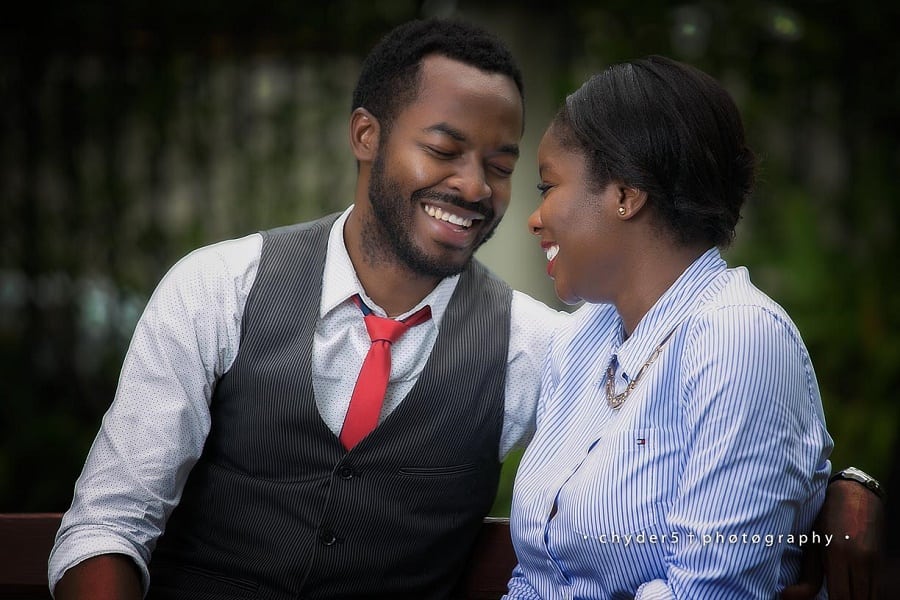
(566,296)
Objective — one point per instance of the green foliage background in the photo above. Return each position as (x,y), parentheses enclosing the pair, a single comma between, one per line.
(130,134)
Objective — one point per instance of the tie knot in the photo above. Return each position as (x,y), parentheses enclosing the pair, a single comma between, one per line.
(390,330)
(384,329)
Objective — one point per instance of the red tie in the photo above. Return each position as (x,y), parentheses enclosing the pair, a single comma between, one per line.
(368,395)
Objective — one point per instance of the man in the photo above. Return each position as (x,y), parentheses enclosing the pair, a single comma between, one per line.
(239,452)
(241,370)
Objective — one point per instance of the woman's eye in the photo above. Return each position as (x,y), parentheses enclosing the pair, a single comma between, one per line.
(543,188)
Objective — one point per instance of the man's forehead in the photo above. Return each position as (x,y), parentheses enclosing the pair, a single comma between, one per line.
(457,97)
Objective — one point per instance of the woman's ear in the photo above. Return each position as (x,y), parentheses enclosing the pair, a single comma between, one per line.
(630,201)
(365,134)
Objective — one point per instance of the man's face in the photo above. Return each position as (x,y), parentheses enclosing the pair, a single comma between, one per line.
(441,181)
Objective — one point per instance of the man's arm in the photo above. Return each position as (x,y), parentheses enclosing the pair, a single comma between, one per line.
(155,429)
(853,517)
(104,577)
(531,329)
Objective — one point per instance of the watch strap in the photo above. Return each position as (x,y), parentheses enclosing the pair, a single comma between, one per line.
(862,478)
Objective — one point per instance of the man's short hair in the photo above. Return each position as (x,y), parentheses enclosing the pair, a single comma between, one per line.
(391,73)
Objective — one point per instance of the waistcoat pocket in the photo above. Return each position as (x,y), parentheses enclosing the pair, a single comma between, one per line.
(443,471)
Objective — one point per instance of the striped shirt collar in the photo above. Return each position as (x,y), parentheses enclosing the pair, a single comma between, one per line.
(340,283)
(672,308)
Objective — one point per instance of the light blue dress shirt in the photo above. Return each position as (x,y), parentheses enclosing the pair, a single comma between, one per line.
(701,484)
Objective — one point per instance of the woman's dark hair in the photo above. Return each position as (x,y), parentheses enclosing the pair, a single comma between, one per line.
(390,75)
(672,131)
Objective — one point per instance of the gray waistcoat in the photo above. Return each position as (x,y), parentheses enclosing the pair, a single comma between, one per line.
(276,508)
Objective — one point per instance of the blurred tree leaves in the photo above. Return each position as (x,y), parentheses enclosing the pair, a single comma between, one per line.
(133,132)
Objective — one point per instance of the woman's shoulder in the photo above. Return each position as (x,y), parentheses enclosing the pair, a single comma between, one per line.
(734,288)
(733,301)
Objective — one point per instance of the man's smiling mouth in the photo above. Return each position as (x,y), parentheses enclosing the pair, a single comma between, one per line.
(444,215)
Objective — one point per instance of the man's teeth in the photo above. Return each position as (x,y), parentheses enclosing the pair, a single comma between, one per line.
(439,214)
(552,251)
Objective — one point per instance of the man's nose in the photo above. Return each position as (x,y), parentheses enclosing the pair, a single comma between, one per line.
(470,182)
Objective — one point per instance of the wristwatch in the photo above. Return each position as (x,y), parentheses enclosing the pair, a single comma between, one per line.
(862,477)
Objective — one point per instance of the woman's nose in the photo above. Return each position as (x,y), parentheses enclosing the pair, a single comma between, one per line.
(534,222)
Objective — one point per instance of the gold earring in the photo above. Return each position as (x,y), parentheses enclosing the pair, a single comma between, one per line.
(621,211)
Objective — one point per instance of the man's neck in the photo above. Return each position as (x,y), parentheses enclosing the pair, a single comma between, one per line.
(396,290)
(386,280)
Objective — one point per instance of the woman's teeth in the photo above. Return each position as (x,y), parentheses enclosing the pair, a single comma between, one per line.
(440,215)
(552,251)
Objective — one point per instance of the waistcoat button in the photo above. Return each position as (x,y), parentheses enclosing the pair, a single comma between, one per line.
(346,473)
(326,538)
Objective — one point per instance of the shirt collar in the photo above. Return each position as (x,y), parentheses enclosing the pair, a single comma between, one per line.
(340,283)
(669,311)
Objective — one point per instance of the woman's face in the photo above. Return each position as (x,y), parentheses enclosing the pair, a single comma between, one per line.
(578,226)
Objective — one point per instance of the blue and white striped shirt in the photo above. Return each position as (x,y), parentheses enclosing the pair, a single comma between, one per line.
(701,484)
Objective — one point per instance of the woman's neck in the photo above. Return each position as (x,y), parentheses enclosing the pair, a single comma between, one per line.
(651,275)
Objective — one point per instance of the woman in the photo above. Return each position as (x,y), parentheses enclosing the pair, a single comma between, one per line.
(681,446)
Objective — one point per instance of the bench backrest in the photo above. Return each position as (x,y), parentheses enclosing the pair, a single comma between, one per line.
(25,543)
(26,540)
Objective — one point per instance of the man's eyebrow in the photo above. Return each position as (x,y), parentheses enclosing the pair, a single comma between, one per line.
(459,136)
(446,129)
(512,149)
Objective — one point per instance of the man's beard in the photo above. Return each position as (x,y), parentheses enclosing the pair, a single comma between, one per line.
(390,237)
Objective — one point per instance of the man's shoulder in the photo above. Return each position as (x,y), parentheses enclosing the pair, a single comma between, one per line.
(484,275)
(534,320)
(533,308)
(322,223)
(227,257)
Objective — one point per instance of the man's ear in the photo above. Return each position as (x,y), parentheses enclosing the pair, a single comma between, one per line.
(365,135)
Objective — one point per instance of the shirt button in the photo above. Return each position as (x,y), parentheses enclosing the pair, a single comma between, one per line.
(346,473)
